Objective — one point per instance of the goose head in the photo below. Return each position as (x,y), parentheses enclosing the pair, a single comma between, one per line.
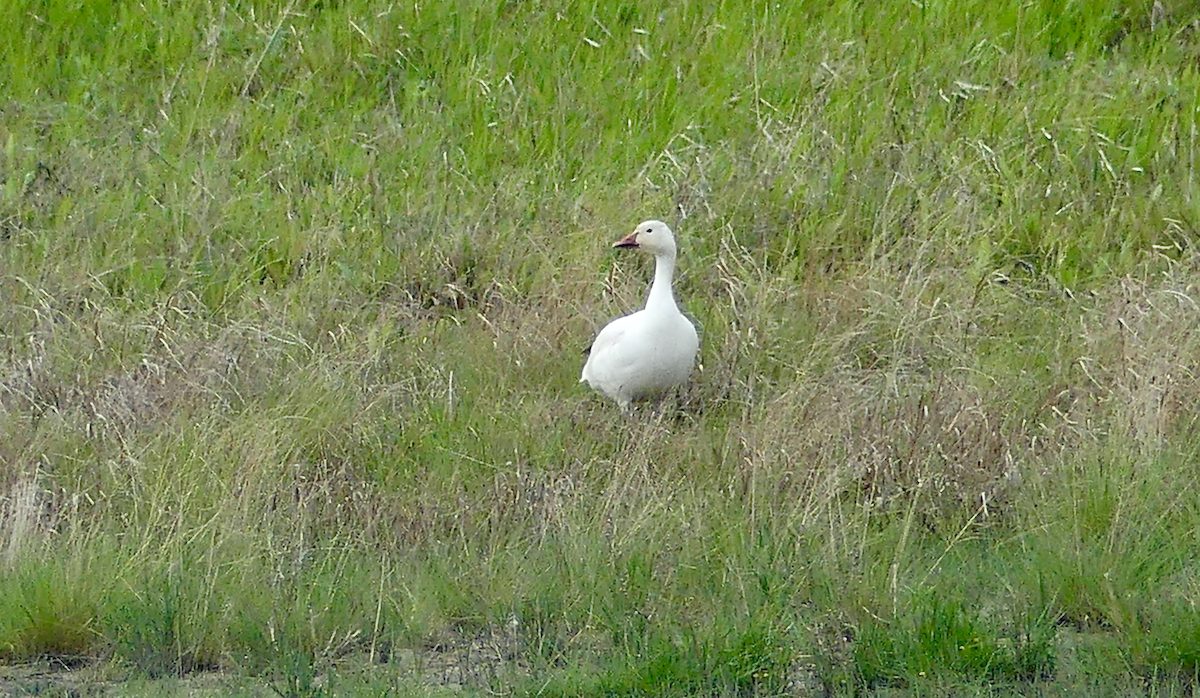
(654,237)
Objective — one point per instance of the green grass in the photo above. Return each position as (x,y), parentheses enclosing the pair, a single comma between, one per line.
(294,298)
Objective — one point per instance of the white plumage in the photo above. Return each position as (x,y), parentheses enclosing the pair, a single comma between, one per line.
(650,351)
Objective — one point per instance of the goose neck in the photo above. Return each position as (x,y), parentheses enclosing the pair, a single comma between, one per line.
(661,295)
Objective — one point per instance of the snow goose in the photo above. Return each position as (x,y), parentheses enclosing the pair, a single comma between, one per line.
(650,351)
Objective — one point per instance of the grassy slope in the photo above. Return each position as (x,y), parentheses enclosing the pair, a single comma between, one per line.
(295,301)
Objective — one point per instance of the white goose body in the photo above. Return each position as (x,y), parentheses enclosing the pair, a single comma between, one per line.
(653,350)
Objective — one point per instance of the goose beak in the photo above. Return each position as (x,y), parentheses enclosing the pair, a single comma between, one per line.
(629,240)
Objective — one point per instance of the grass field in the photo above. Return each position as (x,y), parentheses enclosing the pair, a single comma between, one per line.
(293,298)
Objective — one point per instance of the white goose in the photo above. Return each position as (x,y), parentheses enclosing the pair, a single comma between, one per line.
(650,351)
